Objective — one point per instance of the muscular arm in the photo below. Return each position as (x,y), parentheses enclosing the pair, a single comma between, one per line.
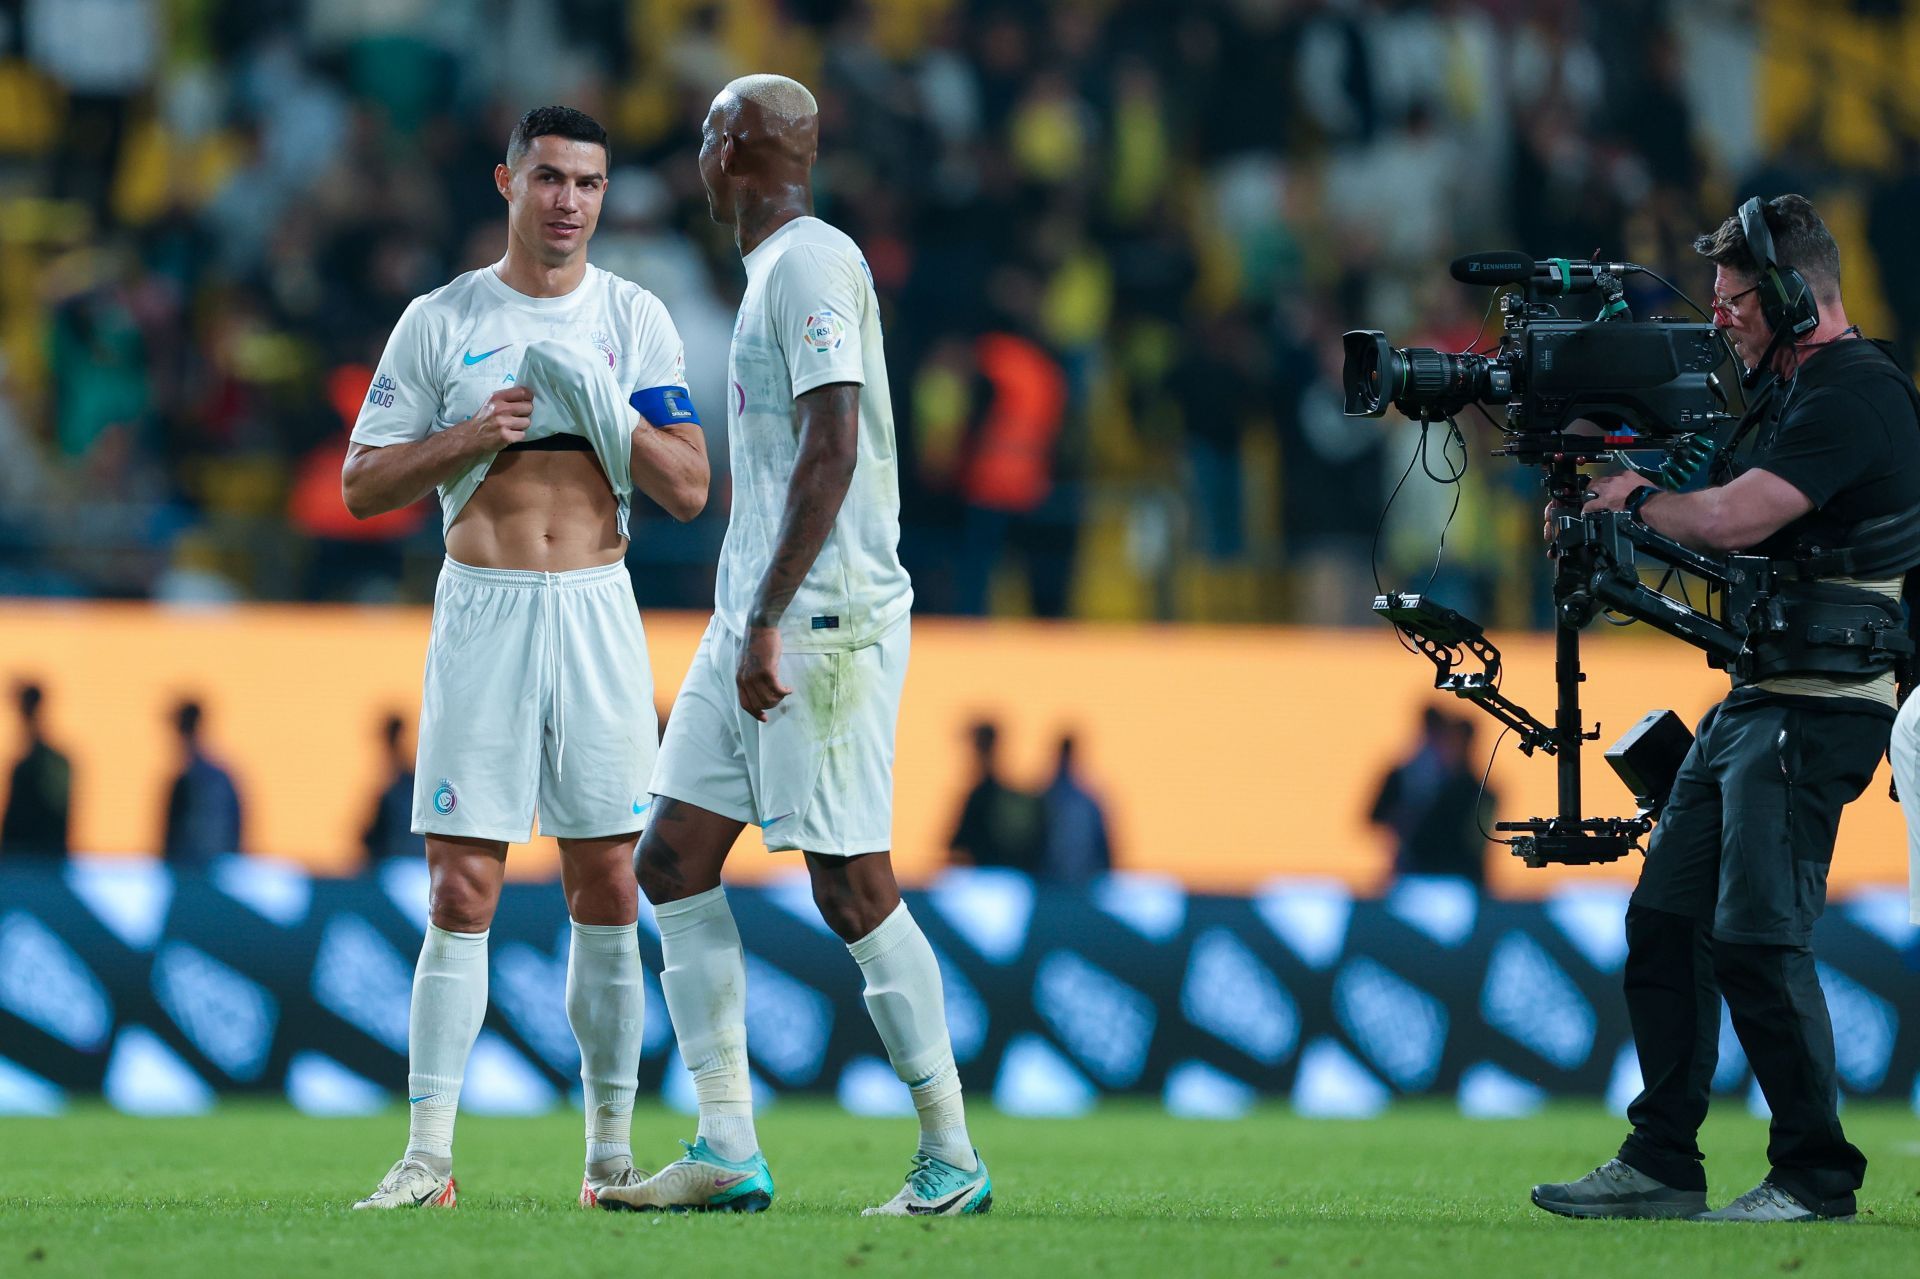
(670,466)
(829,421)
(828,418)
(1730,517)
(376,479)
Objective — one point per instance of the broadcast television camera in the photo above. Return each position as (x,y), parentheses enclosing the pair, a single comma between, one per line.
(1654,377)
(1574,391)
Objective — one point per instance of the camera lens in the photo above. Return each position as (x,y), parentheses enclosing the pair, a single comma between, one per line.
(1419,381)
(1369,372)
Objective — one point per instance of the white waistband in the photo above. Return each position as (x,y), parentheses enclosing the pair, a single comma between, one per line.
(528,578)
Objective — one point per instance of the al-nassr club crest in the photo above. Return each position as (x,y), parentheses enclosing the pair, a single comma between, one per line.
(604,341)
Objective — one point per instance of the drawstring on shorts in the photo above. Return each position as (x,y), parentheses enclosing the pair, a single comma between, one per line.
(556,668)
(552,619)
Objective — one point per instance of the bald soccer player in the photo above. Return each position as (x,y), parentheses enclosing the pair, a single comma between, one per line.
(786,718)
(535,394)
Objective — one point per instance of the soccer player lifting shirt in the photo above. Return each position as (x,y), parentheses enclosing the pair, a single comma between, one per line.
(786,718)
(535,394)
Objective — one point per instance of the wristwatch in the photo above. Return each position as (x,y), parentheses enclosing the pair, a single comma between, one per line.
(1639,498)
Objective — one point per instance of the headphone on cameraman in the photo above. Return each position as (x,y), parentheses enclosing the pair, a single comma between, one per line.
(1785,299)
(1788,307)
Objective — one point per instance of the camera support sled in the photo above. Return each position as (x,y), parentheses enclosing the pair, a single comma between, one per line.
(1595,568)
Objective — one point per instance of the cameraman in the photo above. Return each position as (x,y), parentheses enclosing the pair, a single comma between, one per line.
(1736,871)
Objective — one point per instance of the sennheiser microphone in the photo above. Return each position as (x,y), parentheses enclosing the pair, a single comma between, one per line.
(1555,275)
(1492,268)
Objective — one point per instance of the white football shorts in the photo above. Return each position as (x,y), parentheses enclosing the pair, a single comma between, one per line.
(538,696)
(818,775)
(1904,752)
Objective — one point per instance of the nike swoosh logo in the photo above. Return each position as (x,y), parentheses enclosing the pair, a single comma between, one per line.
(420,1199)
(771,820)
(470,358)
(639,808)
(934,1210)
(731,1180)
(414,1101)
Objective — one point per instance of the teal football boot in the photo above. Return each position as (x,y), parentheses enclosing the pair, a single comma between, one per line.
(935,1188)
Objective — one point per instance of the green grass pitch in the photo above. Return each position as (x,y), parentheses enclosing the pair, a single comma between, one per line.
(257,1190)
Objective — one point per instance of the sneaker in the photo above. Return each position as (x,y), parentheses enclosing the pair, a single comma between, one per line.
(411,1184)
(935,1188)
(591,1186)
(698,1181)
(1768,1202)
(1616,1190)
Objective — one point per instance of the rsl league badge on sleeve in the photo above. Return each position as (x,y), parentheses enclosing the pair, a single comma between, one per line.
(824,332)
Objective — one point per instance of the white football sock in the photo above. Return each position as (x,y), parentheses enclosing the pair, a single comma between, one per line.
(908,1007)
(449,1002)
(606,1001)
(703,974)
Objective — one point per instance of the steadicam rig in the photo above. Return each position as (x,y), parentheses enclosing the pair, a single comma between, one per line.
(1573,392)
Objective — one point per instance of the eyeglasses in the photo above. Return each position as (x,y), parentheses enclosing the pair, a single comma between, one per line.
(1724,306)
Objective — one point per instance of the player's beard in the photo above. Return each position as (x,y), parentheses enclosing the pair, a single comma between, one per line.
(550,255)
(720,204)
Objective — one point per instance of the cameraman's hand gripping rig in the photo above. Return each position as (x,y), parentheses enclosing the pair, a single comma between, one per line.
(1774,617)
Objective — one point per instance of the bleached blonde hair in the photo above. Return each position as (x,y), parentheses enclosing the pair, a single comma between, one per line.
(775,95)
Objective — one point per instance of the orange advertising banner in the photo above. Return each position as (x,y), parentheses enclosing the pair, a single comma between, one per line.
(1224,757)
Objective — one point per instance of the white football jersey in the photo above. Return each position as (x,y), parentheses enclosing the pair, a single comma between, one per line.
(459,344)
(809,317)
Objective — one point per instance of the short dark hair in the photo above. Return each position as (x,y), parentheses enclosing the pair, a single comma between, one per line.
(186,718)
(565,122)
(1800,240)
(30,696)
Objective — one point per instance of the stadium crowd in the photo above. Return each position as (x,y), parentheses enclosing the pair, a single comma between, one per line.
(1118,240)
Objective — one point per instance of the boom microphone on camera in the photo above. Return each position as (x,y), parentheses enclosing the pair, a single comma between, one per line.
(1555,275)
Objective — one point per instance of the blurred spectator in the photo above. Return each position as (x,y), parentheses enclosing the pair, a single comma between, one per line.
(1110,243)
(193,576)
(1433,804)
(1215,394)
(103,53)
(390,832)
(1077,846)
(203,806)
(1890,233)
(99,364)
(1331,469)
(40,792)
(1006,474)
(999,826)
(351,559)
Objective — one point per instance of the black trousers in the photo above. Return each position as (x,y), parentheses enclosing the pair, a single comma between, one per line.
(1735,877)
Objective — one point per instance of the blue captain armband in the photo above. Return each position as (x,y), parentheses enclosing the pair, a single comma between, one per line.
(665,405)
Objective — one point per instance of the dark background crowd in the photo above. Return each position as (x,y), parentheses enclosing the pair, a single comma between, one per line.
(1116,241)
(1058,834)
(203,817)
(1432,803)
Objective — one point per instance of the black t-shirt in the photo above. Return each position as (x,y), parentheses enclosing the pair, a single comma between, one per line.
(1844,433)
